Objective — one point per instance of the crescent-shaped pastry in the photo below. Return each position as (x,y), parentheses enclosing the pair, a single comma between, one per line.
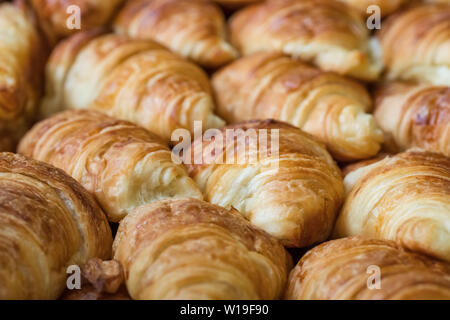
(414,115)
(48,222)
(327,33)
(123,165)
(134,80)
(386,6)
(194,29)
(405,198)
(416,44)
(21,69)
(61,18)
(324,104)
(190,249)
(280,178)
(366,269)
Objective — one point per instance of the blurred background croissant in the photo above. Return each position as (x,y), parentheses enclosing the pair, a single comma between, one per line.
(114,123)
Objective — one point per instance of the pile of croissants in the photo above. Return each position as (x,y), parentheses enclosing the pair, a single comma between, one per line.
(87,171)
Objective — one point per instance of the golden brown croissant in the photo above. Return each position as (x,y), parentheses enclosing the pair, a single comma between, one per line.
(366,269)
(325,32)
(414,115)
(416,44)
(194,29)
(123,165)
(236,3)
(327,105)
(405,198)
(438,1)
(292,188)
(134,80)
(58,18)
(47,223)
(21,66)
(386,6)
(190,249)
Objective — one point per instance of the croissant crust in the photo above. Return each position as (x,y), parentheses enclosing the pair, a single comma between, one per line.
(331,35)
(123,165)
(189,249)
(414,115)
(346,269)
(47,223)
(134,80)
(327,105)
(236,3)
(405,198)
(21,69)
(416,44)
(292,188)
(386,6)
(58,18)
(194,29)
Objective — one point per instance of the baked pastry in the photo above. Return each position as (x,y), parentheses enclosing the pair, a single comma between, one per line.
(21,66)
(59,18)
(414,115)
(123,165)
(356,165)
(386,6)
(134,80)
(325,32)
(405,198)
(190,249)
(437,1)
(348,269)
(280,178)
(100,280)
(47,223)
(236,3)
(327,105)
(194,29)
(416,44)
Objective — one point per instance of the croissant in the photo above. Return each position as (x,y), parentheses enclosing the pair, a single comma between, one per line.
(437,1)
(366,269)
(194,29)
(123,165)
(101,280)
(327,105)
(278,177)
(20,51)
(47,223)
(405,198)
(386,6)
(416,44)
(236,3)
(134,80)
(414,115)
(324,32)
(61,18)
(189,249)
